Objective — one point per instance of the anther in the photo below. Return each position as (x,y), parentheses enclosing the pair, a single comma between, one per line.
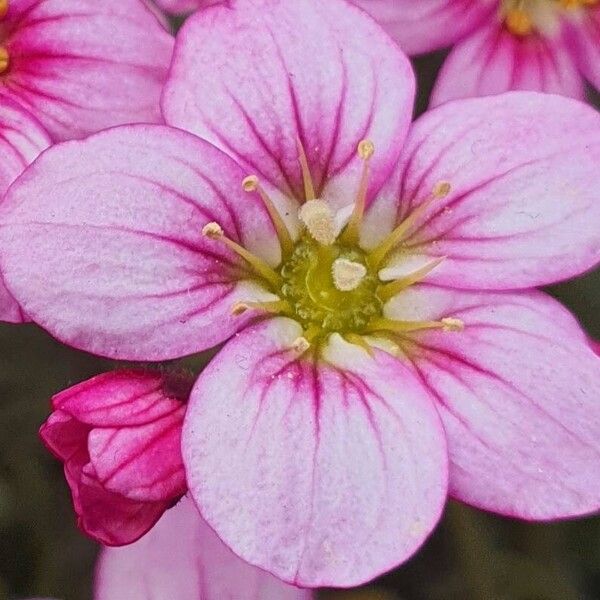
(274,307)
(214,231)
(347,274)
(4,59)
(519,22)
(318,218)
(300,345)
(252,184)
(3,8)
(351,234)
(440,190)
(309,188)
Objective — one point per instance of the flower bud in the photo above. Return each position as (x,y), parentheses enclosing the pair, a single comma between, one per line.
(119,436)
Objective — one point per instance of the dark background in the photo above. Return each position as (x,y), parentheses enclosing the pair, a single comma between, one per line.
(472,555)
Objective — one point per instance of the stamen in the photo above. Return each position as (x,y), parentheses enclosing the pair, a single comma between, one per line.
(347,274)
(382,324)
(389,290)
(4,59)
(274,307)
(318,218)
(365,152)
(215,232)
(3,8)
(519,22)
(252,184)
(309,188)
(359,340)
(300,345)
(440,190)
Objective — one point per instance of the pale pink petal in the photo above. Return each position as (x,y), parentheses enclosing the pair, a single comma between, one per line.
(184,6)
(523,205)
(255,76)
(584,37)
(493,60)
(141,463)
(101,242)
(22,138)
(83,65)
(518,392)
(117,399)
(322,471)
(425,25)
(182,558)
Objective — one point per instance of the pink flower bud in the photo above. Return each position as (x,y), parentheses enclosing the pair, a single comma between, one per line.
(119,436)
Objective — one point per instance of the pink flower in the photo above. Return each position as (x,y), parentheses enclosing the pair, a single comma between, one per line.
(22,138)
(501,45)
(119,436)
(183,559)
(82,65)
(378,358)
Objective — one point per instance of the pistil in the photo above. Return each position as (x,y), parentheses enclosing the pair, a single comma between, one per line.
(318,219)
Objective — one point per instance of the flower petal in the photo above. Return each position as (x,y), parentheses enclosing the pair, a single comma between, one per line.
(427,25)
(273,72)
(111,518)
(518,392)
(183,558)
(118,398)
(101,242)
(65,437)
(22,138)
(523,206)
(141,463)
(584,36)
(83,65)
(322,471)
(493,60)
(183,6)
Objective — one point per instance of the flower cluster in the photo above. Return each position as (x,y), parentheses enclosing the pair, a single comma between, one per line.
(371,280)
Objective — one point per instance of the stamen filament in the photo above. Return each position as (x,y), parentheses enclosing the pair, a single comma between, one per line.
(351,234)
(389,290)
(309,188)
(215,232)
(359,340)
(375,257)
(382,324)
(275,307)
(252,184)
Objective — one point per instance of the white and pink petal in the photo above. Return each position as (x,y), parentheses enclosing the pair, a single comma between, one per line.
(518,390)
(101,242)
(324,471)
(254,77)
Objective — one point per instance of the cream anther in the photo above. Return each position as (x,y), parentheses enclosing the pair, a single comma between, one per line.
(300,345)
(239,308)
(452,324)
(250,183)
(365,149)
(212,230)
(318,218)
(347,275)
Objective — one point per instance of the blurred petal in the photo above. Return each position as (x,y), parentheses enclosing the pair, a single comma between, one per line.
(83,65)
(322,471)
(101,242)
(518,392)
(273,72)
(493,60)
(182,558)
(425,25)
(184,6)
(584,37)
(523,205)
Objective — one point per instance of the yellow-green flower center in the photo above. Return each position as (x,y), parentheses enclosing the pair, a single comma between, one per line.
(312,291)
